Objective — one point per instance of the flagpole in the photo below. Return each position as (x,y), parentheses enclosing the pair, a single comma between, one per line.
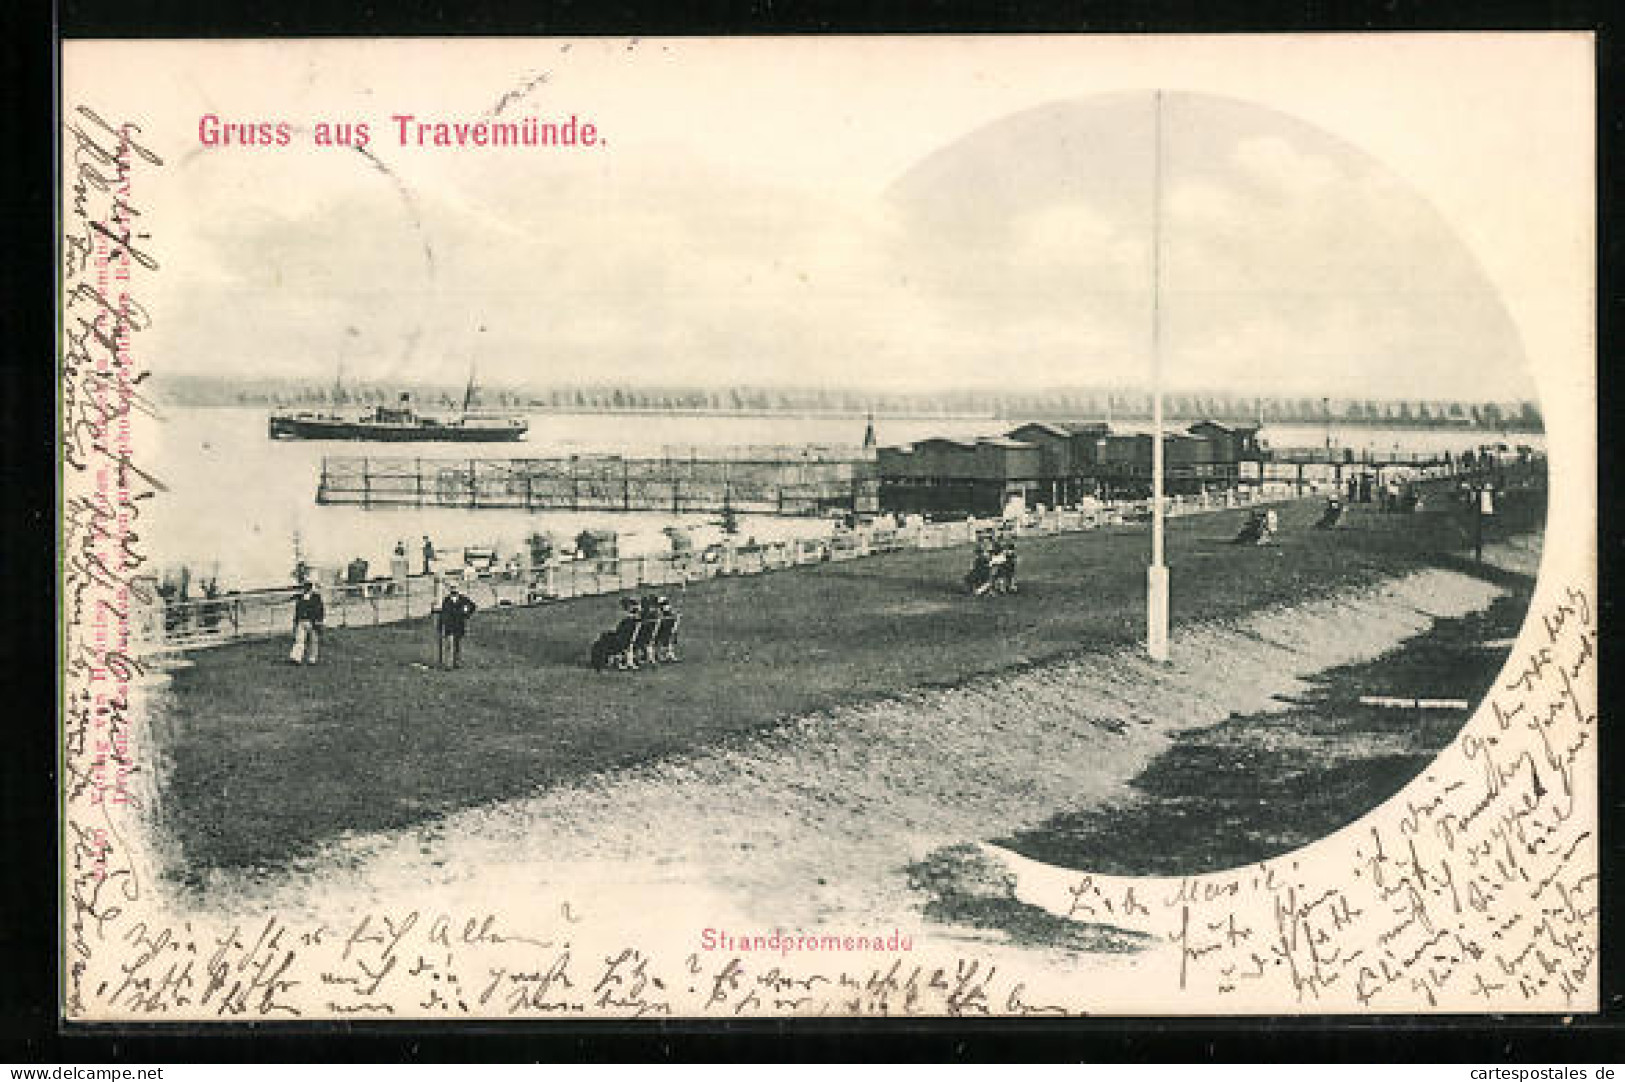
(1156,602)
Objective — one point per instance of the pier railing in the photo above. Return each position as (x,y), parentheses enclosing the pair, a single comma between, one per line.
(808,485)
(186,625)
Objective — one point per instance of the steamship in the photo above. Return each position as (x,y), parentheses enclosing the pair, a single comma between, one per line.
(400,423)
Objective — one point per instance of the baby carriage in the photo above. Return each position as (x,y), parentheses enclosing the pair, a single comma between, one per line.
(1258,530)
(1331,516)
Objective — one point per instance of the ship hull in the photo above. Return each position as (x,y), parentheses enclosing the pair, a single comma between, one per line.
(320,428)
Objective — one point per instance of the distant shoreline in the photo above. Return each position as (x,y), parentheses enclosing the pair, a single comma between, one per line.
(860,415)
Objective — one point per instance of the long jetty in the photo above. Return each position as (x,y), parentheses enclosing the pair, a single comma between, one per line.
(808,485)
(797,482)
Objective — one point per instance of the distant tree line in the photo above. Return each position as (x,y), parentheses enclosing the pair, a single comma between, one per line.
(1182,406)
(1064,403)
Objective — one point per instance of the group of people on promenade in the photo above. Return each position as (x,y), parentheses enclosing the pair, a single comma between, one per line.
(1392,495)
(451,618)
(993,569)
(646,635)
(427,551)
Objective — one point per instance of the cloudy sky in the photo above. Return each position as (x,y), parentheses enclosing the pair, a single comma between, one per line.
(803,217)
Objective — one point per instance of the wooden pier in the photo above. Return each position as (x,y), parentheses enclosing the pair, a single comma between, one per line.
(810,486)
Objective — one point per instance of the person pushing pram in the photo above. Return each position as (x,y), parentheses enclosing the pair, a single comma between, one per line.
(1260,528)
(1331,516)
(993,569)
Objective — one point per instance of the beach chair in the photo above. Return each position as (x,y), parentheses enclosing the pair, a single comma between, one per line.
(648,631)
(664,646)
(609,650)
(604,650)
(613,649)
(638,645)
(648,649)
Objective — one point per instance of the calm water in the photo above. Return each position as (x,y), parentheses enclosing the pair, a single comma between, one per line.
(237,499)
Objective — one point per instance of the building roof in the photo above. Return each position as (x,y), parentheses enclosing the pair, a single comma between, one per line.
(1240,430)
(1066,429)
(1045,426)
(963,443)
(1147,436)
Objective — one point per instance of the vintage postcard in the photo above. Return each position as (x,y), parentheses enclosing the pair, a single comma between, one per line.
(847,526)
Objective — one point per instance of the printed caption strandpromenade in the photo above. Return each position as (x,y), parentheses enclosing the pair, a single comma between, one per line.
(408,130)
(786,943)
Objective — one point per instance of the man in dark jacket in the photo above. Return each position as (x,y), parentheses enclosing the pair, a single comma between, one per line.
(308,614)
(451,618)
(1007,569)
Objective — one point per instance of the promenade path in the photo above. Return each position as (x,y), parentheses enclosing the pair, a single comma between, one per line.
(269,762)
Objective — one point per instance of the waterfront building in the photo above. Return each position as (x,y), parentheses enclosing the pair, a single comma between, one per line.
(943,476)
(1057,463)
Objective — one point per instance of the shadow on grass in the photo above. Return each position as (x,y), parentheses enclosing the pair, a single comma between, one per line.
(965,887)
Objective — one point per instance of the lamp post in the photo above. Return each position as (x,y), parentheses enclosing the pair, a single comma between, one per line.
(1156,597)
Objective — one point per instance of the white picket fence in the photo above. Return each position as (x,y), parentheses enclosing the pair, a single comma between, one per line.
(165,627)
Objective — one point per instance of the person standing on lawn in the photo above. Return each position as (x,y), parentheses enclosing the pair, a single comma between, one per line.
(1007,569)
(308,614)
(451,620)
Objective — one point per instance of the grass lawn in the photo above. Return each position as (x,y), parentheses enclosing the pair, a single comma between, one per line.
(267,760)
